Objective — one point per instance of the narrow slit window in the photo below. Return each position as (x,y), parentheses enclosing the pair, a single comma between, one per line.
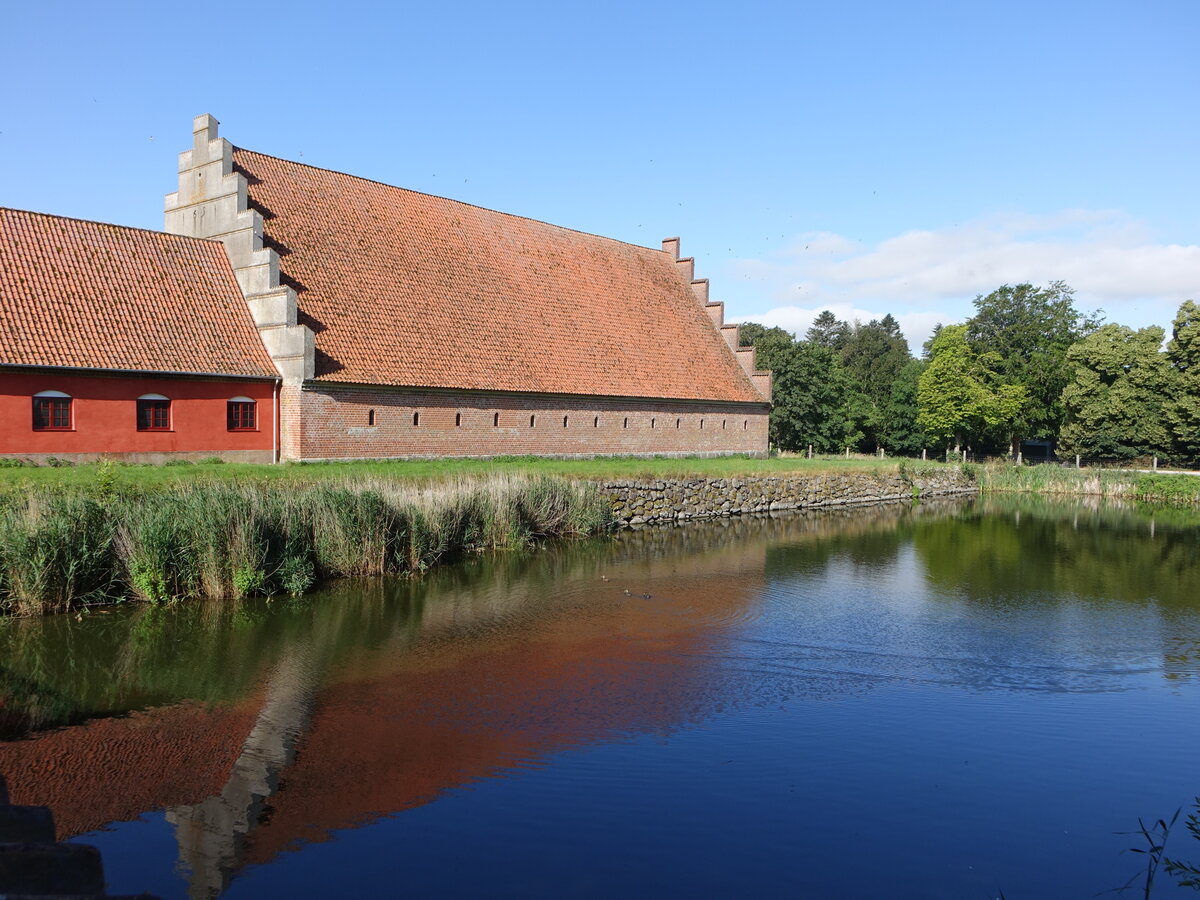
(51,411)
(678,422)
(241,414)
(416,419)
(458,420)
(370,418)
(652,421)
(596,422)
(495,420)
(153,413)
(745,424)
(722,424)
(532,420)
(626,425)
(701,424)
(564,421)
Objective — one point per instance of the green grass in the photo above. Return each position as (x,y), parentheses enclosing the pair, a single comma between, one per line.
(108,477)
(62,547)
(1130,484)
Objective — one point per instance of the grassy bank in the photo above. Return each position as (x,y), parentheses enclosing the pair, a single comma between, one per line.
(1122,483)
(125,477)
(62,547)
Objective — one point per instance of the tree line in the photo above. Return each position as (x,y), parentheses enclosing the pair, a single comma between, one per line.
(1028,365)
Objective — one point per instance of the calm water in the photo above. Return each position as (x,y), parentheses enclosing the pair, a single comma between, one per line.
(942,701)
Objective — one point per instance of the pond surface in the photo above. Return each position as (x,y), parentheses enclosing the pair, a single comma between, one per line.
(942,701)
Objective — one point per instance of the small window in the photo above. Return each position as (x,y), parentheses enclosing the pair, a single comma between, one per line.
(678,422)
(626,425)
(153,413)
(416,419)
(564,421)
(240,414)
(495,420)
(370,418)
(745,424)
(532,419)
(51,411)
(458,420)
(652,421)
(722,424)
(596,422)
(701,424)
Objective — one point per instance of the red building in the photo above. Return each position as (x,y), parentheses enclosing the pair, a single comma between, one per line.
(410,325)
(298,313)
(121,342)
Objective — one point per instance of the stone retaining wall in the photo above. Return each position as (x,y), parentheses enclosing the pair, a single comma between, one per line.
(665,500)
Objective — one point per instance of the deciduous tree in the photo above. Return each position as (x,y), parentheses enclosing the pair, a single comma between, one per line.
(1182,410)
(1026,332)
(957,394)
(1114,403)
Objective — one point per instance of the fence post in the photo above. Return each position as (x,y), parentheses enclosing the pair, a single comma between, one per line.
(810,451)
(922,454)
(964,456)
(847,453)
(1077,460)
(1156,463)
(1020,457)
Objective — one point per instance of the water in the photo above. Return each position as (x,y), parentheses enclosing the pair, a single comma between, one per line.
(946,701)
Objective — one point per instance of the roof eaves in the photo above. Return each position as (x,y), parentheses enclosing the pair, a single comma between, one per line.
(157,372)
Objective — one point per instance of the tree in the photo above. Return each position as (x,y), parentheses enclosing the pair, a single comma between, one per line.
(873,355)
(927,347)
(828,330)
(810,391)
(957,394)
(1182,411)
(771,345)
(901,434)
(1029,331)
(1114,403)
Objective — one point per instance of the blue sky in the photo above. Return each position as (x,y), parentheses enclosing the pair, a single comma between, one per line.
(866,157)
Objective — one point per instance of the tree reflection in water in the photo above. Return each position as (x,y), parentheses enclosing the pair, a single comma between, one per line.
(378,696)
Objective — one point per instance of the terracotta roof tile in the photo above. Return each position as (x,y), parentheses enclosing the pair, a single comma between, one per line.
(85,294)
(408,289)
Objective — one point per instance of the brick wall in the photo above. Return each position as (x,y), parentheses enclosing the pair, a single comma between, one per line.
(353,422)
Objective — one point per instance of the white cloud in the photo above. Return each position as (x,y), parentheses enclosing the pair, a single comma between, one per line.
(930,276)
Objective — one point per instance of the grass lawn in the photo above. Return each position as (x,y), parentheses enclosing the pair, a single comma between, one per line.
(150,477)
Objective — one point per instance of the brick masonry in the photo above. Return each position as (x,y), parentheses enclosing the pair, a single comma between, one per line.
(321,418)
(363,422)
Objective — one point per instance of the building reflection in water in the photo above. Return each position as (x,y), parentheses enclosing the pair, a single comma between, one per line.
(381,695)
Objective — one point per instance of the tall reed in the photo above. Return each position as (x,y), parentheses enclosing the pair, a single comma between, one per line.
(217,540)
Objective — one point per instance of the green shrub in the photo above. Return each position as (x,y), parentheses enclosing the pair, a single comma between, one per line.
(1172,488)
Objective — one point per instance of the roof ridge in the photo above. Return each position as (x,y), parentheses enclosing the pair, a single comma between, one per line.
(60,217)
(497,212)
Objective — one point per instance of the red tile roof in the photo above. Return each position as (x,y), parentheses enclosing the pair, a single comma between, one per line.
(90,295)
(403,288)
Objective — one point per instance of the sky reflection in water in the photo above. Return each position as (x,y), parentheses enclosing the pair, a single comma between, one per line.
(942,701)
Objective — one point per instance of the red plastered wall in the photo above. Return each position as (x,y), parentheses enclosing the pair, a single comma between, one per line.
(104,414)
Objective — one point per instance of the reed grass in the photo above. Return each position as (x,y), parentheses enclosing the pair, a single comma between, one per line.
(212,540)
(1127,484)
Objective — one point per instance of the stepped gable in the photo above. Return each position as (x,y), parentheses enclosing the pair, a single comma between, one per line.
(89,295)
(403,288)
